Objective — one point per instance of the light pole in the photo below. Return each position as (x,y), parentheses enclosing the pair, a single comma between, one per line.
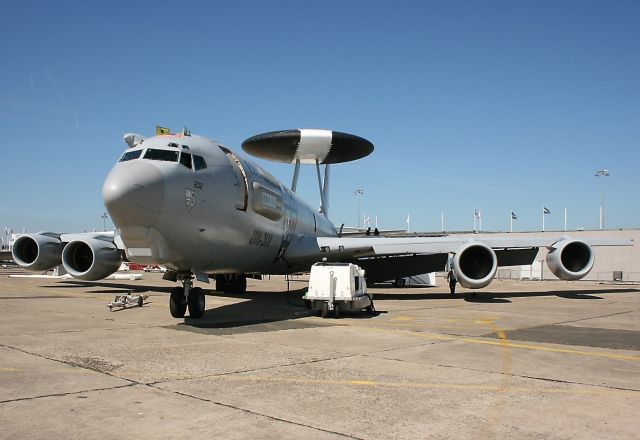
(602,173)
(104,217)
(358,193)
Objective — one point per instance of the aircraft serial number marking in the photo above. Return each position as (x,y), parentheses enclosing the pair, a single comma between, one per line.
(260,238)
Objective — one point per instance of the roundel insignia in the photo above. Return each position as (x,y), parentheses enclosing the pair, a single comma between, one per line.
(308,146)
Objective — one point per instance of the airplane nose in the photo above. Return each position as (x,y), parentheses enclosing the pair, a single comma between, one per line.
(133,194)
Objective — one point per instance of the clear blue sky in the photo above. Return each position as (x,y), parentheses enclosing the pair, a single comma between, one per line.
(501,105)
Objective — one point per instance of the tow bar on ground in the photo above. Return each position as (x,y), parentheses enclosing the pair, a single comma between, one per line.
(127,300)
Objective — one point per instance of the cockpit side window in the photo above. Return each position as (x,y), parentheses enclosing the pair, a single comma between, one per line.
(185,159)
(164,155)
(199,162)
(130,155)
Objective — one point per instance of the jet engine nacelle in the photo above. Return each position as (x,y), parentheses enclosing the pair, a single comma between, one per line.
(570,259)
(475,265)
(91,259)
(38,252)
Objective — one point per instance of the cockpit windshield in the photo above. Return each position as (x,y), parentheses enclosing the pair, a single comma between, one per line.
(185,159)
(164,155)
(130,155)
(199,162)
(194,162)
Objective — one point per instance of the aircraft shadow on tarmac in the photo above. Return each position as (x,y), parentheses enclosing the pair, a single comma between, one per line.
(258,308)
(111,287)
(264,308)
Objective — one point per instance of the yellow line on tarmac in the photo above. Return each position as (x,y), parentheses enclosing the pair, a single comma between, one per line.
(504,344)
(418,385)
(426,324)
(555,349)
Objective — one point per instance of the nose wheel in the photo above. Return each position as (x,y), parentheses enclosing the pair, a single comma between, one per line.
(196,302)
(177,304)
(185,297)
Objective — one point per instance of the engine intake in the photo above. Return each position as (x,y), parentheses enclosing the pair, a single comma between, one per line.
(91,259)
(475,265)
(38,252)
(570,259)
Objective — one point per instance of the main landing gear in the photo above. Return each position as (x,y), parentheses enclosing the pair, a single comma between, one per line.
(232,283)
(186,296)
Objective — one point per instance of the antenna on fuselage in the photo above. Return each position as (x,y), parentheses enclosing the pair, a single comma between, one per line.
(309,146)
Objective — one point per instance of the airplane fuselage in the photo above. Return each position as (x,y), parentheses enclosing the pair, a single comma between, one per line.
(191,204)
(199,209)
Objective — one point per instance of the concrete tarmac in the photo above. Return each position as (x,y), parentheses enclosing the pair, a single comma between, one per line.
(553,360)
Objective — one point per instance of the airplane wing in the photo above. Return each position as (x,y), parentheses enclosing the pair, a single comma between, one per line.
(475,257)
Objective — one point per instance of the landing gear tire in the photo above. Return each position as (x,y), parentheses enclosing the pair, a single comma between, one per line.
(324,311)
(336,311)
(400,283)
(238,285)
(177,305)
(196,303)
(221,283)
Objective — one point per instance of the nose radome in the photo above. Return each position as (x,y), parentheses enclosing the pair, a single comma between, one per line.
(133,194)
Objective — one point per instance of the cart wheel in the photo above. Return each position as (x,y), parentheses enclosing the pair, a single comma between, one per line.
(336,311)
(324,312)
(400,282)
(140,301)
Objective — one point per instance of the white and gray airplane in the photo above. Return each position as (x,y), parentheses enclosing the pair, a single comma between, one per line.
(196,207)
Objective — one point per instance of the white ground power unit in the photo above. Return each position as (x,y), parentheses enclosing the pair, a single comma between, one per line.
(337,287)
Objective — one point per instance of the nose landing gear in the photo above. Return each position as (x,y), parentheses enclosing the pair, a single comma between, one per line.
(186,296)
